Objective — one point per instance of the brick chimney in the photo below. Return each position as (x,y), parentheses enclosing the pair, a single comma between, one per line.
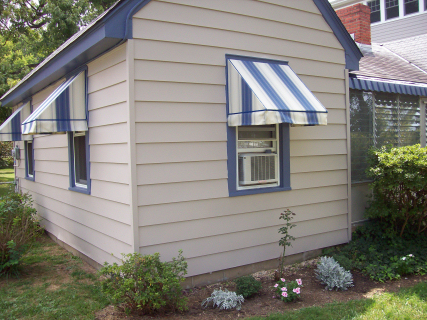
(357,20)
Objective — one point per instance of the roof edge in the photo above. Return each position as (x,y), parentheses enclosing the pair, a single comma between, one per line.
(352,51)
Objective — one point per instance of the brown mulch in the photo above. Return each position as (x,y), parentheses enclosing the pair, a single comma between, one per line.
(263,304)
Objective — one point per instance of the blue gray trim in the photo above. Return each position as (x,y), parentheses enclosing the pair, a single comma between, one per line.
(352,51)
(369,85)
(71,168)
(27,176)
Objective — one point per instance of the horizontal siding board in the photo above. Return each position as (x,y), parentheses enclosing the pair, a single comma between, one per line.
(110,153)
(109,134)
(179,92)
(107,60)
(179,112)
(266,229)
(318,163)
(172,212)
(108,77)
(170,32)
(112,228)
(53,180)
(318,179)
(194,16)
(180,132)
(331,101)
(182,171)
(110,191)
(235,258)
(108,96)
(318,132)
(337,116)
(317,148)
(265,11)
(181,152)
(319,84)
(110,172)
(100,240)
(106,208)
(82,246)
(184,191)
(50,141)
(53,154)
(117,113)
(55,167)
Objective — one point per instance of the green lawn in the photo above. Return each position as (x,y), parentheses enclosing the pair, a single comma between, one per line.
(6,175)
(54,284)
(408,304)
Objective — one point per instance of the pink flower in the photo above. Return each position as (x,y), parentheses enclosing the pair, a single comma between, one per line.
(285,294)
(284,289)
(282,279)
(299,282)
(297,290)
(276,285)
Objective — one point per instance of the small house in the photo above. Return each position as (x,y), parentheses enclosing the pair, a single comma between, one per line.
(191,124)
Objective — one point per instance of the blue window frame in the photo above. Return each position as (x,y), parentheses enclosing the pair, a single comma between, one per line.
(257,142)
(29,160)
(78,147)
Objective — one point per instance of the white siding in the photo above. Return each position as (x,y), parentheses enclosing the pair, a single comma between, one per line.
(397,29)
(180,48)
(97,224)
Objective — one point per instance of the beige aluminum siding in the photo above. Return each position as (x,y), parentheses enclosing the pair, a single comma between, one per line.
(397,29)
(181,131)
(99,224)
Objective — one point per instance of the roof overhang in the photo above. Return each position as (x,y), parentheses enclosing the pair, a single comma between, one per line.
(106,32)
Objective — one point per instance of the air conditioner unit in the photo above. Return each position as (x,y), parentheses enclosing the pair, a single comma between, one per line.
(257,168)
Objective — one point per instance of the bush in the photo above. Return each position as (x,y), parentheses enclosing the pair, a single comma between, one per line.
(6,160)
(145,284)
(247,286)
(329,272)
(376,252)
(224,300)
(18,228)
(399,188)
(288,291)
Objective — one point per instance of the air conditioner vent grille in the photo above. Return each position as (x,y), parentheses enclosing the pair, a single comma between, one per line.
(263,168)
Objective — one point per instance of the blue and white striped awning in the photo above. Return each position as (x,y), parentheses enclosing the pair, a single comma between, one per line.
(388,86)
(270,92)
(64,110)
(10,130)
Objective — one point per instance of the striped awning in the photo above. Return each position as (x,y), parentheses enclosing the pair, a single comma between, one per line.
(10,130)
(388,86)
(64,110)
(270,92)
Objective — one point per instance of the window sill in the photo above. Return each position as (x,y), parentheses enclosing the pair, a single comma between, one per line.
(30,178)
(79,189)
(245,192)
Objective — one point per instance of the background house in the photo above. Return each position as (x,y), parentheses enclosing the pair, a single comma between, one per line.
(388,92)
(157,167)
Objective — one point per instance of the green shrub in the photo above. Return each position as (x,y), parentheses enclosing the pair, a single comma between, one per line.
(247,286)
(145,284)
(19,226)
(382,256)
(399,188)
(224,300)
(330,273)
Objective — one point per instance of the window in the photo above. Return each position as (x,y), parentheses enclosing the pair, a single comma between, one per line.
(375,10)
(29,160)
(411,6)
(79,161)
(258,159)
(391,9)
(378,119)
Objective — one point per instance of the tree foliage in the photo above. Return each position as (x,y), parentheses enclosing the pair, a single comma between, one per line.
(30,30)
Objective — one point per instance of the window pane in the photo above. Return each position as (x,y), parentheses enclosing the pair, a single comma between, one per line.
(375,10)
(80,159)
(392,9)
(386,120)
(411,6)
(409,120)
(30,167)
(361,128)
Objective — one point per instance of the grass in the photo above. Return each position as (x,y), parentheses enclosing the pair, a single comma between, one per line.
(409,303)
(54,284)
(6,175)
